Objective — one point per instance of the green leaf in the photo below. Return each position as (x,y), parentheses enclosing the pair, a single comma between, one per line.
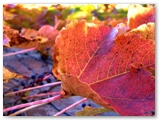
(89,111)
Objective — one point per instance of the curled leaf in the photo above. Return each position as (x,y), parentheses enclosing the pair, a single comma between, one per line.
(29,34)
(48,32)
(13,35)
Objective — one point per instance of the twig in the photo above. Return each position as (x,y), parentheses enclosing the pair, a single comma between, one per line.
(33,103)
(32,88)
(71,106)
(40,95)
(26,109)
(48,76)
(22,51)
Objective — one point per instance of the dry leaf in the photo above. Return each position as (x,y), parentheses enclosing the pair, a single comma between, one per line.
(9,75)
(90,63)
(29,34)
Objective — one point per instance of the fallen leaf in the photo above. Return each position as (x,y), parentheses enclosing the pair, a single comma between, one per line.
(15,38)
(28,38)
(89,111)
(90,63)
(29,34)
(138,15)
(6,40)
(7,15)
(50,33)
(113,21)
(9,75)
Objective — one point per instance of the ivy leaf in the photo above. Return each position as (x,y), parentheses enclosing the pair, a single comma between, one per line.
(91,63)
(89,111)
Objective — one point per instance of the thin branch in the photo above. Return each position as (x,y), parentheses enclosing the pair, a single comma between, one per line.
(32,88)
(40,95)
(22,51)
(48,100)
(71,106)
(26,109)
(48,76)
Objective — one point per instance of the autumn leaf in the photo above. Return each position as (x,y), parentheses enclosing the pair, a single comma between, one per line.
(113,21)
(6,40)
(89,111)
(90,63)
(29,34)
(9,75)
(28,38)
(7,15)
(122,28)
(147,31)
(13,35)
(138,15)
(48,32)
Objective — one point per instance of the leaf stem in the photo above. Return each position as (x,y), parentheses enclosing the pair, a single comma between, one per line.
(71,106)
(44,101)
(32,88)
(22,51)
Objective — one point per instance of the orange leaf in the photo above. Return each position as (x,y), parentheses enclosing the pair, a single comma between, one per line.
(29,34)
(91,64)
(138,15)
(9,75)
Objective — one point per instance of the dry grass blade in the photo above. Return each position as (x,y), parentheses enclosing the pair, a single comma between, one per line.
(32,88)
(26,109)
(22,51)
(44,101)
(71,106)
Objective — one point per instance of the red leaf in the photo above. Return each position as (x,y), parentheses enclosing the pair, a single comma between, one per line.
(138,15)
(91,64)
